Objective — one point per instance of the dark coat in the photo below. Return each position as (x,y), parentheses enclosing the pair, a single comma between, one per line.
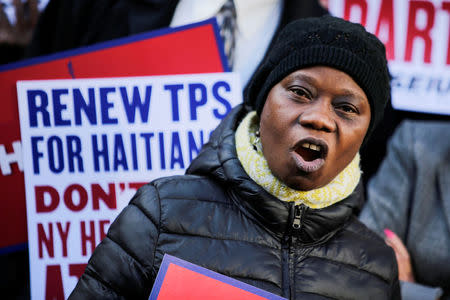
(219,218)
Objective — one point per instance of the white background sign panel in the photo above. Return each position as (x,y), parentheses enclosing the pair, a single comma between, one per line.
(88,145)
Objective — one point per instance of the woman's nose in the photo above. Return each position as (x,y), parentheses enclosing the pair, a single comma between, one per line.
(318,115)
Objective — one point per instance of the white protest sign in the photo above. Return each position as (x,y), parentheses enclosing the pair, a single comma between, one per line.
(416,36)
(88,145)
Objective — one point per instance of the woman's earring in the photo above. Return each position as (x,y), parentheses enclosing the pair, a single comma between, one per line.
(257,142)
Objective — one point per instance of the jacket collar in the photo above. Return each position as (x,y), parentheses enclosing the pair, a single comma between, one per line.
(218,159)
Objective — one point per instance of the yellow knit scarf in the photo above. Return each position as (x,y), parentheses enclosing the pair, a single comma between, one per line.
(257,168)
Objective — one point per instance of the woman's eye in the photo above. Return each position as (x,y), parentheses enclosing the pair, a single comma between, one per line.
(347,108)
(301,92)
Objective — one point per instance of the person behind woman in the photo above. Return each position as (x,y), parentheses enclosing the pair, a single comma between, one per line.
(409,202)
(270,199)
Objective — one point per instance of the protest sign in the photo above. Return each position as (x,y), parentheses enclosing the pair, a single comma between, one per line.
(90,143)
(194,48)
(416,35)
(180,279)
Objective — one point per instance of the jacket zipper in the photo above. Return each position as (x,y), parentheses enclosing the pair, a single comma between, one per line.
(286,263)
(295,224)
(298,215)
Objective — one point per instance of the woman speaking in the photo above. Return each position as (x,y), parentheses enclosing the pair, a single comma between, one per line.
(270,199)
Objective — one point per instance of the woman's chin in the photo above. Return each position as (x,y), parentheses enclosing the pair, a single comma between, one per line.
(304,182)
(307,175)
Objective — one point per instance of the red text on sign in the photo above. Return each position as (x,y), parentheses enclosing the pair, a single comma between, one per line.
(75,197)
(416,32)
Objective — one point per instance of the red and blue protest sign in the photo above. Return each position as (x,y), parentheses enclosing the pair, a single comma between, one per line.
(194,48)
(180,279)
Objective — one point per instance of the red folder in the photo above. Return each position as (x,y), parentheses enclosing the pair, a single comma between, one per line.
(179,279)
(194,48)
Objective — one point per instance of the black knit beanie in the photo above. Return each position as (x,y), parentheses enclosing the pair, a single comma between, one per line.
(327,41)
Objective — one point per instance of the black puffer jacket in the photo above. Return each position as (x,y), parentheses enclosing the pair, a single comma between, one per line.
(217,217)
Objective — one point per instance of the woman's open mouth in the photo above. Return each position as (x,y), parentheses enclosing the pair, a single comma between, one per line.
(309,154)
